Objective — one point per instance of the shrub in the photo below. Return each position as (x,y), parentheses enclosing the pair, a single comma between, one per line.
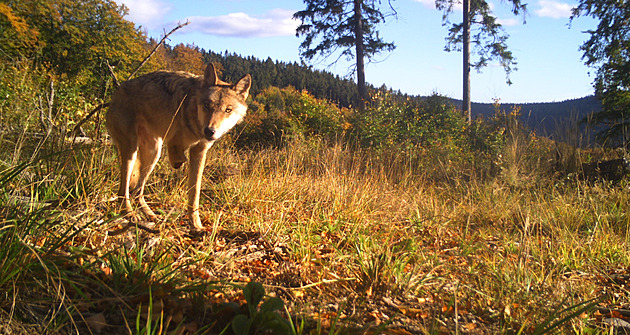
(433,121)
(279,115)
(34,98)
(504,146)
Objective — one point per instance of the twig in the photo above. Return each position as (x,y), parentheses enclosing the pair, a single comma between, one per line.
(76,129)
(111,72)
(325,281)
(179,26)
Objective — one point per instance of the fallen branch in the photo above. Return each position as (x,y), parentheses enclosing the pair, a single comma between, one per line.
(77,128)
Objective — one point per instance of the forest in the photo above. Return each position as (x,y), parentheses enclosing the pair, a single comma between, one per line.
(320,217)
(546,118)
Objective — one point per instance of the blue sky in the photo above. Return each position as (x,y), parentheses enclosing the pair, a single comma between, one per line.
(546,48)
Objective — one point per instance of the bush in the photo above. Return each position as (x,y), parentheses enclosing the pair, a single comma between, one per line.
(505,147)
(280,115)
(434,121)
(34,98)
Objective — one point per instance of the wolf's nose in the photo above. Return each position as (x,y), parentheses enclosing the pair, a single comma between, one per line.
(209,133)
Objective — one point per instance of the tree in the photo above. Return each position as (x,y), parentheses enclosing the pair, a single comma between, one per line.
(75,38)
(186,58)
(489,40)
(17,38)
(608,50)
(348,26)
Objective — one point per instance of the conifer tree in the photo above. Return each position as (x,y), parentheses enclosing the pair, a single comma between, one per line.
(480,29)
(608,50)
(346,28)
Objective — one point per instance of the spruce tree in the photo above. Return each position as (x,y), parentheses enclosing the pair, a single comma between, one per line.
(345,28)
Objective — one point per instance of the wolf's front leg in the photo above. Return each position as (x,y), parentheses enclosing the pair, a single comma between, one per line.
(127,160)
(196,162)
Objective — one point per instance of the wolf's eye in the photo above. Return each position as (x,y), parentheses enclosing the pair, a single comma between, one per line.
(228,110)
(206,105)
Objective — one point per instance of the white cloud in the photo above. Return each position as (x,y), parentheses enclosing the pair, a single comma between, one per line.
(553,9)
(277,22)
(511,22)
(146,12)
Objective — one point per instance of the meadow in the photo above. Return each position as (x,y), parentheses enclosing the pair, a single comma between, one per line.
(402,220)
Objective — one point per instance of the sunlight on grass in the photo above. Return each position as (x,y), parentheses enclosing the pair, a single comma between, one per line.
(348,238)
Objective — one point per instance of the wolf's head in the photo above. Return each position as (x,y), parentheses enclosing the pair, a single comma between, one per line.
(221,105)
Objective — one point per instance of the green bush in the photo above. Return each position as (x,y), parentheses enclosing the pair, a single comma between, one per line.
(504,146)
(280,115)
(434,121)
(20,91)
(34,98)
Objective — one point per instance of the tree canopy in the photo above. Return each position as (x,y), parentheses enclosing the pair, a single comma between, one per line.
(75,39)
(488,38)
(608,50)
(346,27)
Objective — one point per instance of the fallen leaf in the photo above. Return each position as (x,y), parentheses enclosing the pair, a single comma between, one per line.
(106,270)
(96,322)
(373,316)
(415,313)
(470,326)
(202,274)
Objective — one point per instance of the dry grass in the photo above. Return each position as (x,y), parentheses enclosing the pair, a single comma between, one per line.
(351,240)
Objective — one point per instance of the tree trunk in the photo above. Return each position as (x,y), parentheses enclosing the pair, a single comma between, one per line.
(358,37)
(466,105)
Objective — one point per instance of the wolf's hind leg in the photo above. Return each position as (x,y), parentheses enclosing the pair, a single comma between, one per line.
(149,150)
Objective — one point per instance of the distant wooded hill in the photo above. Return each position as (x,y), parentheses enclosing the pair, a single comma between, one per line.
(546,118)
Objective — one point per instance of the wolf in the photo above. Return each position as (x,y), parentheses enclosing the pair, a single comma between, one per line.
(185,111)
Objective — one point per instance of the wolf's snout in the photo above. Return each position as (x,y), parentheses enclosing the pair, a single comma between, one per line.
(209,133)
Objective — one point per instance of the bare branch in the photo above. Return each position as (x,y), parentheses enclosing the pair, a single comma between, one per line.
(111,72)
(179,26)
(77,128)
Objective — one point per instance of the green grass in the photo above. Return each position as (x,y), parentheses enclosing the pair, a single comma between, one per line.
(351,240)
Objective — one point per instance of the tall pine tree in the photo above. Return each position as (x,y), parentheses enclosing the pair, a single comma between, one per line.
(346,28)
(480,29)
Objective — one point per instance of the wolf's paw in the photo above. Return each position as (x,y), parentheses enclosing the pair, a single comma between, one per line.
(195,221)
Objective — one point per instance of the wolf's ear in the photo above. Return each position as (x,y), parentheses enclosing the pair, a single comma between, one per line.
(210,76)
(243,85)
